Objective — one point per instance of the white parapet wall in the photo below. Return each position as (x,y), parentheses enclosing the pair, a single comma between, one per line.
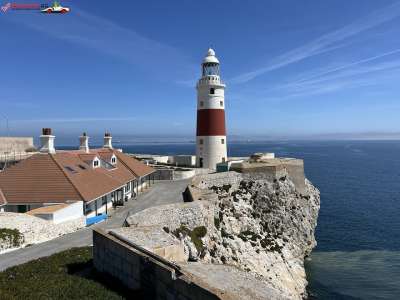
(15,144)
(182,160)
(59,213)
(70,212)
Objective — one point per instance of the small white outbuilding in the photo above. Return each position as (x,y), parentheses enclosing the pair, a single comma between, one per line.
(59,213)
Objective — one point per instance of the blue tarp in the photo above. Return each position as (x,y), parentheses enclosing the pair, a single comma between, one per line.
(96,219)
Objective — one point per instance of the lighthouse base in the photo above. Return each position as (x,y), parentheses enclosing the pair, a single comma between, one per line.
(210,151)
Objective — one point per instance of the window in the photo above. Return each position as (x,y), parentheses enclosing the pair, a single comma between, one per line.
(113,160)
(70,169)
(89,208)
(222,141)
(201,142)
(221,103)
(201,103)
(212,91)
(128,187)
(95,163)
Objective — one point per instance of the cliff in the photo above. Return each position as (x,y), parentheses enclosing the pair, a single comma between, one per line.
(262,225)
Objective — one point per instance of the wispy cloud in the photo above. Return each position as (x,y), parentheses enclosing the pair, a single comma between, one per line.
(379,67)
(112,39)
(346,76)
(327,42)
(370,71)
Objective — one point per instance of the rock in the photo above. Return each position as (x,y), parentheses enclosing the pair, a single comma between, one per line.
(190,249)
(263,225)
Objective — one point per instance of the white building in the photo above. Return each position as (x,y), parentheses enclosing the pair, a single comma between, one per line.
(211,133)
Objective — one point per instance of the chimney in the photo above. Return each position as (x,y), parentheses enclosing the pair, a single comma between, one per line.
(47,141)
(107,140)
(84,142)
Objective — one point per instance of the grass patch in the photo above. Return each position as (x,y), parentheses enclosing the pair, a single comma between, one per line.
(65,275)
(13,235)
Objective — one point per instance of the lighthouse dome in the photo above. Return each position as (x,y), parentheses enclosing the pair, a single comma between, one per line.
(210,57)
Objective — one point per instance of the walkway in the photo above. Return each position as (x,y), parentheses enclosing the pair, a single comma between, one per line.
(162,192)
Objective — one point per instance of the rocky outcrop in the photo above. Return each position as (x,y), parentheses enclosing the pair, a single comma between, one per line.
(264,226)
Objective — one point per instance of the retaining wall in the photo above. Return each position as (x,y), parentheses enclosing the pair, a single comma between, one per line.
(139,270)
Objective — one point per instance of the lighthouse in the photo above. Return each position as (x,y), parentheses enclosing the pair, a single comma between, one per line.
(211,133)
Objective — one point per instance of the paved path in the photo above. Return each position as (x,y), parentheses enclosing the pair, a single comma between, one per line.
(162,192)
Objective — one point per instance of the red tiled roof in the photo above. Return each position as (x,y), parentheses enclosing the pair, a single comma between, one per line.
(91,183)
(2,198)
(137,167)
(37,179)
(65,176)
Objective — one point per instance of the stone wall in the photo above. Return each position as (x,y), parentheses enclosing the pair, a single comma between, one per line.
(139,271)
(274,169)
(172,216)
(206,181)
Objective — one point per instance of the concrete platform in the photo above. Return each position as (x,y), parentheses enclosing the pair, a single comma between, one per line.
(154,239)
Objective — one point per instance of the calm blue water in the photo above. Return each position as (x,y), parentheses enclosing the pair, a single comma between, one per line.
(358,232)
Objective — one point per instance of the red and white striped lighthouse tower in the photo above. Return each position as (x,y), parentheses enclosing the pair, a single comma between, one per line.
(211,133)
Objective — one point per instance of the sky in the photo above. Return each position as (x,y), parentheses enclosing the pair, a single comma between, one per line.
(292,68)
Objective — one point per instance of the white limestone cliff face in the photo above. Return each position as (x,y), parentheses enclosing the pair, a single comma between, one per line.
(261,226)
(264,227)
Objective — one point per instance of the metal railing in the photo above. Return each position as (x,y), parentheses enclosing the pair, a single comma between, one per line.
(14,156)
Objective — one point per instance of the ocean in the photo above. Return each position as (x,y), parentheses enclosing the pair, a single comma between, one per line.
(358,232)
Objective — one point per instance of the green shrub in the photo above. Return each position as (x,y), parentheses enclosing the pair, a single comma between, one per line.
(226,187)
(216,223)
(200,231)
(195,235)
(182,230)
(12,235)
